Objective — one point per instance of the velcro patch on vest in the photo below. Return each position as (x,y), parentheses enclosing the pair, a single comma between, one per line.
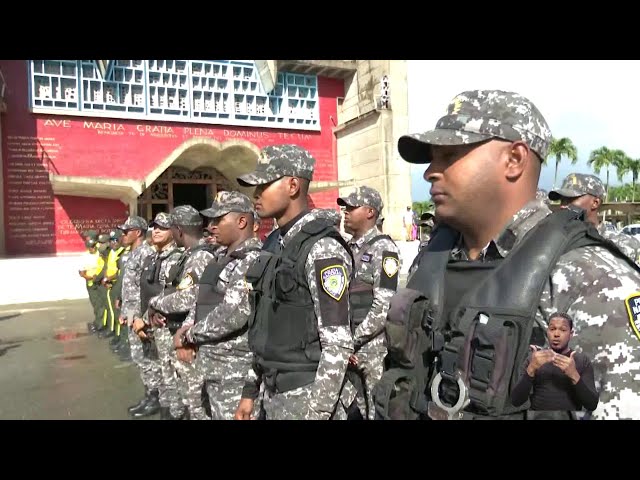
(366,257)
(332,280)
(633,310)
(390,269)
(186,282)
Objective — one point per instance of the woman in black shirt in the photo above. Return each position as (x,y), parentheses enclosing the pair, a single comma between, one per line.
(561,379)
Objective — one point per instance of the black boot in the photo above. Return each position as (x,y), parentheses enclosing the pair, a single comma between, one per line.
(151,407)
(138,406)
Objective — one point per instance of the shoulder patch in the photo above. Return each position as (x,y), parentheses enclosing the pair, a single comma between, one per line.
(390,264)
(186,282)
(334,281)
(633,310)
(390,269)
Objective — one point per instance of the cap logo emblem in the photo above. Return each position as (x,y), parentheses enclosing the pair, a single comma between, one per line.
(457,105)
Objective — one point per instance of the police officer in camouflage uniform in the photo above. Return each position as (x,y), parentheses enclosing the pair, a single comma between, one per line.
(218,324)
(300,330)
(155,270)
(484,161)
(134,230)
(588,192)
(168,311)
(377,266)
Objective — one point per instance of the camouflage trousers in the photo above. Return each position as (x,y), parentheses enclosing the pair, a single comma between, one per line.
(169,394)
(223,376)
(149,369)
(297,405)
(370,366)
(191,388)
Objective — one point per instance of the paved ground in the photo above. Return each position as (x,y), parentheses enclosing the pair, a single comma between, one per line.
(51,369)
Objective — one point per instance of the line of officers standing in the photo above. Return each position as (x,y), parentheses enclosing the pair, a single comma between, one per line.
(227,327)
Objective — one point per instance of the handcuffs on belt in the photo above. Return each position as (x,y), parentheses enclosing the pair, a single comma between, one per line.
(437,410)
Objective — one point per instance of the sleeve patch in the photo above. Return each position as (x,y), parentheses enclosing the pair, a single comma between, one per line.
(390,269)
(332,282)
(186,282)
(633,310)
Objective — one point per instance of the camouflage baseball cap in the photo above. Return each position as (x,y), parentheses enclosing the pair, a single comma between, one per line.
(163,220)
(478,115)
(115,234)
(226,202)
(362,196)
(277,161)
(134,223)
(428,215)
(185,215)
(578,184)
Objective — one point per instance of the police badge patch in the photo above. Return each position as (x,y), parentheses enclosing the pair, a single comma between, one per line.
(186,282)
(633,310)
(334,281)
(390,265)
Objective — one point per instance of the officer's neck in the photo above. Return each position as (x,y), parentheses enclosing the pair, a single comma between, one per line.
(239,241)
(190,242)
(139,241)
(361,232)
(294,209)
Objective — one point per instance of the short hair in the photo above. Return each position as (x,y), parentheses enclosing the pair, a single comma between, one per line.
(562,315)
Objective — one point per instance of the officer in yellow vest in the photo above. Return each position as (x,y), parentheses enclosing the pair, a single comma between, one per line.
(88,268)
(101,295)
(110,280)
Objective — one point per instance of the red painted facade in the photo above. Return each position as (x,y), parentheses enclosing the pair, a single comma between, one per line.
(38,222)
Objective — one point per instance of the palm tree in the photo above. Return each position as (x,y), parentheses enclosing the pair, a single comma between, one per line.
(562,147)
(630,166)
(604,157)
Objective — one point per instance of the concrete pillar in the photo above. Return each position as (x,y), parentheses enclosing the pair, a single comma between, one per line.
(367,138)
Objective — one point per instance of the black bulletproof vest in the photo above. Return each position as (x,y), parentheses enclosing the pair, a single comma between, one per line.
(361,293)
(174,320)
(283,332)
(208,295)
(150,284)
(483,334)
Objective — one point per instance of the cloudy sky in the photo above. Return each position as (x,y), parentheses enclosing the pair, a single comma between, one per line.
(593,102)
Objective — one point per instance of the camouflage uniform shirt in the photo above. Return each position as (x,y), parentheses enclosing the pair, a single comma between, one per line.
(184,298)
(371,270)
(131,306)
(232,314)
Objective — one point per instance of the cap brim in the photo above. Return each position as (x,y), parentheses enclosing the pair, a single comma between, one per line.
(153,224)
(257,178)
(564,192)
(214,212)
(414,148)
(343,203)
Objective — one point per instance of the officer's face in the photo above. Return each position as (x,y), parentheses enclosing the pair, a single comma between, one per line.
(161,235)
(559,333)
(356,218)
(586,202)
(130,236)
(227,227)
(272,199)
(464,180)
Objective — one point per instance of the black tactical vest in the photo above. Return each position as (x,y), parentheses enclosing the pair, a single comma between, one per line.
(150,283)
(174,320)
(208,295)
(283,331)
(481,336)
(361,293)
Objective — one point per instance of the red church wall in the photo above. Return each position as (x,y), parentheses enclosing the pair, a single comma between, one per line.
(37,221)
